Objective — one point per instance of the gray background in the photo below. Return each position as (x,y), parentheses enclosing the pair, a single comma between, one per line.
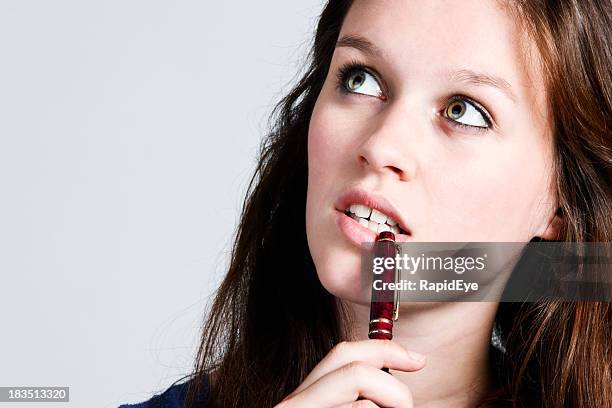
(128,131)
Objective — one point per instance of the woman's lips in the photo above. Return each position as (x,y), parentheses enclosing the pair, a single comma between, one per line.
(358,234)
(372,201)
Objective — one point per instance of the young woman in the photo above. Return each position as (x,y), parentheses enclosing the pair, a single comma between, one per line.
(469,121)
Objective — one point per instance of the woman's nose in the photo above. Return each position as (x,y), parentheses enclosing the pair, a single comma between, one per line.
(389,148)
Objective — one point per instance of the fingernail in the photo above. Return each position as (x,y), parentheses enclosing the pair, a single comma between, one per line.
(413,355)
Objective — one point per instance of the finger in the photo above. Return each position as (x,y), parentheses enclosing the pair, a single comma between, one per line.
(378,353)
(358,404)
(354,380)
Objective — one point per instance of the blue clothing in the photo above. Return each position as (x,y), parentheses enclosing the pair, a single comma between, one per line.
(173,397)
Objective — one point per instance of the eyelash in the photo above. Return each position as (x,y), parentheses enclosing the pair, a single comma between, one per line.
(345,70)
(487,118)
(348,68)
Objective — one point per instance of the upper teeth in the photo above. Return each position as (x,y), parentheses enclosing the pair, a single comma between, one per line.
(373,219)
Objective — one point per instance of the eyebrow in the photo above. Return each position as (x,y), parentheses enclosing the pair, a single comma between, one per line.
(360,43)
(463,75)
(479,79)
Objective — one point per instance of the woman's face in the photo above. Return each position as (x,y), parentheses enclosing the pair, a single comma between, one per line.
(439,120)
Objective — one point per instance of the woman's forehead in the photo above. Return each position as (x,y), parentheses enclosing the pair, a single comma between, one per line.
(432,37)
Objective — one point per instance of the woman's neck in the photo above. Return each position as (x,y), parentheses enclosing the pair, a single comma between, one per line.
(455,338)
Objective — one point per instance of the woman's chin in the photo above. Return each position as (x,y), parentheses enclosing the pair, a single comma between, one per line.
(339,267)
(349,287)
(352,296)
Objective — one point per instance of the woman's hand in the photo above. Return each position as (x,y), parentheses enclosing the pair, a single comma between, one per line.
(352,370)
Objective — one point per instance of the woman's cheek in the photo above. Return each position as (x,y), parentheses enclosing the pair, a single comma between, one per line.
(331,142)
(332,129)
(337,265)
(321,172)
(469,198)
(320,179)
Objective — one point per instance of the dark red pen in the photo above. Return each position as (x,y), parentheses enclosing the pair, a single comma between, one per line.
(384,303)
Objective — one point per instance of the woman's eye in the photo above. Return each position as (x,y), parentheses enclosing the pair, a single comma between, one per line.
(467,113)
(360,81)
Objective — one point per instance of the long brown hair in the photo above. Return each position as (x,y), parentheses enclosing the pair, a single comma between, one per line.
(271,320)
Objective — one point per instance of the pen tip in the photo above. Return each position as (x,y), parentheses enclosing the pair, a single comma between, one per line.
(387,235)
